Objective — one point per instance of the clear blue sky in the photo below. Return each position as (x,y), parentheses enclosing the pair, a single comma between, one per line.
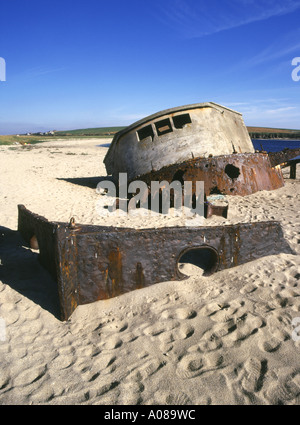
(94,63)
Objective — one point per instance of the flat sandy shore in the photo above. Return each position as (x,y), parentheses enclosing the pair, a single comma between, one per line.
(223,339)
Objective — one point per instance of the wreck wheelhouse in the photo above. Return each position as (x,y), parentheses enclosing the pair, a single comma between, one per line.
(200,142)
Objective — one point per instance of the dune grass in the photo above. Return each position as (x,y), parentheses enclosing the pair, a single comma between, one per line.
(13,139)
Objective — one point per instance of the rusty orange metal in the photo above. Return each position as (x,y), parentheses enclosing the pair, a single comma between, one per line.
(91,263)
(237,174)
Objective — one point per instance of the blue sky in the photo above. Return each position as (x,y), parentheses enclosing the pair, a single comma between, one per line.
(94,63)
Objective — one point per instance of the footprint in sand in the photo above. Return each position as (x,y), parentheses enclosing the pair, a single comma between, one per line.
(104,361)
(253,373)
(111,343)
(152,366)
(210,309)
(224,312)
(190,366)
(209,342)
(249,288)
(194,364)
(161,327)
(180,313)
(246,326)
(28,376)
(279,326)
(284,390)
(184,331)
(4,378)
(268,343)
(62,362)
(177,399)
(103,364)
(108,327)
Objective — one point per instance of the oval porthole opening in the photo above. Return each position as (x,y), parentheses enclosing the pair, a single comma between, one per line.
(204,257)
(34,243)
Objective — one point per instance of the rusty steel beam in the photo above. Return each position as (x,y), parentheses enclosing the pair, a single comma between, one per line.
(93,263)
(293,169)
(281,157)
(237,174)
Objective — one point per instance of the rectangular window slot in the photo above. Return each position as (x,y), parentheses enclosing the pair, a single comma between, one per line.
(145,132)
(181,120)
(163,127)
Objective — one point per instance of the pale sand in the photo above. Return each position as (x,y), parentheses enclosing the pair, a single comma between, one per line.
(224,339)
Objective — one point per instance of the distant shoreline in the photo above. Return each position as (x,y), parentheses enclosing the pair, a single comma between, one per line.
(255,133)
(278,139)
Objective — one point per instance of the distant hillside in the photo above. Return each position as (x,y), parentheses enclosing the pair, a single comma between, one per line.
(255,132)
(99,132)
(33,138)
(109,132)
(273,133)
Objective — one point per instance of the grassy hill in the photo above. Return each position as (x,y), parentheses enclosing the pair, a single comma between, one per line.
(273,133)
(88,132)
(109,132)
(101,132)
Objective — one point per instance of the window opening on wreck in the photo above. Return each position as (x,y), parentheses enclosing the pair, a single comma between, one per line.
(181,120)
(204,257)
(163,127)
(145,132)
(232,171)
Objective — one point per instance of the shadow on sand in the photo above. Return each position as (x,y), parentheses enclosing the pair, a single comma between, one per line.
(21,271)
(104,145)
(87,181)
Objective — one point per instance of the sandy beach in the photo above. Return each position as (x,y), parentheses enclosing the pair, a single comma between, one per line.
(223,339)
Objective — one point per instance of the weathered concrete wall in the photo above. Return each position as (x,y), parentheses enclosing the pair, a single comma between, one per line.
(176,135)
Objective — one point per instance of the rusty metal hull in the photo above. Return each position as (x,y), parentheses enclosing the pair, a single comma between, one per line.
(236,174)
(283,156)
(93,263)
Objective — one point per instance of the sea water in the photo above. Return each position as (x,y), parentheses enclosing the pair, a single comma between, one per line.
(275,145)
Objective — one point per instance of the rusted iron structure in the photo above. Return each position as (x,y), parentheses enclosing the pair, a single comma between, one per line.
(287,158)
(201,142)
(93,263)
(236,174)
(281,157)
(293,166)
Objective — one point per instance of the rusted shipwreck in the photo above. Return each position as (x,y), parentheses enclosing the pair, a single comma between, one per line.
(200,142)
(91,263)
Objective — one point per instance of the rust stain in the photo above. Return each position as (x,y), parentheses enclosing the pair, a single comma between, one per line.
(255,173)
(222,251)
(236,247)
(114,273)
(139,276)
